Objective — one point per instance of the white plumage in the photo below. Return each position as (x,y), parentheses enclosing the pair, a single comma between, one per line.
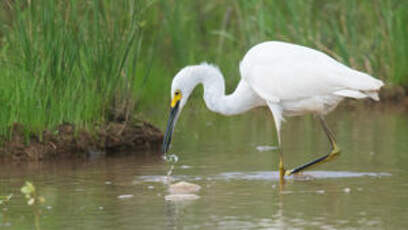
(281,71)
(290,79)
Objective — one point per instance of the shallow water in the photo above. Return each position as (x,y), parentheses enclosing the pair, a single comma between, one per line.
(366,188)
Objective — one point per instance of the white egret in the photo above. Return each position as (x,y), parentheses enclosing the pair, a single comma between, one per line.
(290,79)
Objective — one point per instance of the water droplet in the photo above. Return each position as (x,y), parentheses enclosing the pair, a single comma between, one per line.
(172,158)
(273,186)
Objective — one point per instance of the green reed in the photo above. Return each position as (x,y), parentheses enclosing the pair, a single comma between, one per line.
(71,61)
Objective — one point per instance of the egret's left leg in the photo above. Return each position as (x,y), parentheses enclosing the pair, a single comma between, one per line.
(277,117)
(335,151)
(282,170)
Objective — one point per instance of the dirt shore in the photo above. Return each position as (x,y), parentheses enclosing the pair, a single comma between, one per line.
(68,142)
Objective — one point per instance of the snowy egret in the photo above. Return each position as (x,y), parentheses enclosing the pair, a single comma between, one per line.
(290,79)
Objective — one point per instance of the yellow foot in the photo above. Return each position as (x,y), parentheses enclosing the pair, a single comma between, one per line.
(334,154)
(282,173)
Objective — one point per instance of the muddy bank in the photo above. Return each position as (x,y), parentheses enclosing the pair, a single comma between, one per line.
(68,142)
(395,94)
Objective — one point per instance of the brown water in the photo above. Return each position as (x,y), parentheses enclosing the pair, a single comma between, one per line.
(366,188)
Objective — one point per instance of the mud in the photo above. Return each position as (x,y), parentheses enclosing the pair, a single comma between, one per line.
(67,141)
(394,94)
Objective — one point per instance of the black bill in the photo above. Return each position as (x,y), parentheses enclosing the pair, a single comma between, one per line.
(170,127)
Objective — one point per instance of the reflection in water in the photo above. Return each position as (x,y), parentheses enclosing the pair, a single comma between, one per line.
(175,211)
(365,188)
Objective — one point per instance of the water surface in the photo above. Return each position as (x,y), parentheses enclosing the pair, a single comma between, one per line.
(366,188)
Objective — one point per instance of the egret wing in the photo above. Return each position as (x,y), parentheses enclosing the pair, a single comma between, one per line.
(286,80)
(282,71)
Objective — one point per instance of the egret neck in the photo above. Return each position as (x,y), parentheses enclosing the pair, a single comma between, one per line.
(240,101)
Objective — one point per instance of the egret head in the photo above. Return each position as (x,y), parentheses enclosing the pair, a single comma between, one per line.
(181,88)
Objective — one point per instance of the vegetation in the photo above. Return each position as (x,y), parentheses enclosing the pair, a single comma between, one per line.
(89,61)
(4,200)
(34,200)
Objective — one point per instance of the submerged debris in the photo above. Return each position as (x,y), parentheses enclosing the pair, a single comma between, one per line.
(347,190)
(184,187)
(125,196)
(183,191)
(264,148)
(185,167)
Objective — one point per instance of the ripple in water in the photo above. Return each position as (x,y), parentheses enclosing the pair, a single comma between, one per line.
(266,175)
(269,175)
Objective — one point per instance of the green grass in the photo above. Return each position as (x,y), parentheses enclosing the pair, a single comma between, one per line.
(69,62)
(88,61)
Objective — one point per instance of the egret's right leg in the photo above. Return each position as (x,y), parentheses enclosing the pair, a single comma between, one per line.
(335,151)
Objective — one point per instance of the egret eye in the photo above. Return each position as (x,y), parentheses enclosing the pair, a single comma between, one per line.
(176,98)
